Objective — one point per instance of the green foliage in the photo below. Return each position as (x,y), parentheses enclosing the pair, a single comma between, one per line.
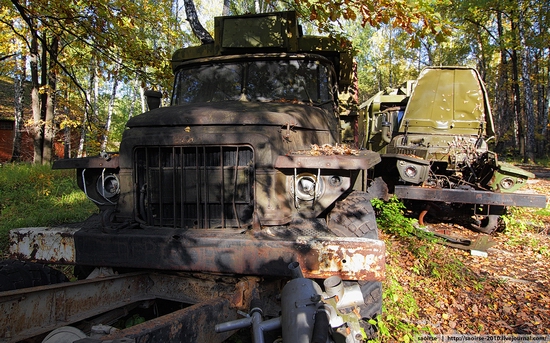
(521,220)
(36,195)
(544,162)
(423,245)
(418,19)
(515,228)
(390,218)
(429,263)
(100,42)
(428,269)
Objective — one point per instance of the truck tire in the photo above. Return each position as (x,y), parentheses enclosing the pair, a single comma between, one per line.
(16,274)
(355,217)
(487,225)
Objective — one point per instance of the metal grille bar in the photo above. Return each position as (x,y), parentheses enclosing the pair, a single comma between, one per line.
(195,187)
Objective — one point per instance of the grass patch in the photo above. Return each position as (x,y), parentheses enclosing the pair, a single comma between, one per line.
(520,221)
(36,195)
(522,226)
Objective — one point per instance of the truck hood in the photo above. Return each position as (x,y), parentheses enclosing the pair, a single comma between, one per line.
(448,100)
(237,113)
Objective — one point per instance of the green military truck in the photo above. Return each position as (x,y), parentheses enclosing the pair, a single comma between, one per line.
(433,136)
(224,210)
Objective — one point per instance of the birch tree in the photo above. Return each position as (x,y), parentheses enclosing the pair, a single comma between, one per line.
(19,72)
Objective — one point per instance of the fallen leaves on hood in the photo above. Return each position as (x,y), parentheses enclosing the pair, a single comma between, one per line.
(328,150)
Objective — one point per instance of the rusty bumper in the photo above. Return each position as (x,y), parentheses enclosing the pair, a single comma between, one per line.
(215,251)
(470,196)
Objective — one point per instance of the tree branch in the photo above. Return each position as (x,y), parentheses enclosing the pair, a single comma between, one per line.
(196,26)
(6,57)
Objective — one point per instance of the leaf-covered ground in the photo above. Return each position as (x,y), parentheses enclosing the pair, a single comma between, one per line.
(443,290)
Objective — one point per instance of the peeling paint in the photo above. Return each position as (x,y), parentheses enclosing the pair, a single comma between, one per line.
(43,244)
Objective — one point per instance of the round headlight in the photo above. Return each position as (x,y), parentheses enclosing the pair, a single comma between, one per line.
(335,181)
(411,171)
(307,186)
(507,183)
(108,186)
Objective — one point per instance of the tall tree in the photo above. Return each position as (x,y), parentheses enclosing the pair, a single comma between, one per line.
(110,110)
(19,73)
(55,28)
(527,84)
(49,102)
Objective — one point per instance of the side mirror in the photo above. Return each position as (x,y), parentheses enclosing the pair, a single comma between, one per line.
(390,118)
(153,99)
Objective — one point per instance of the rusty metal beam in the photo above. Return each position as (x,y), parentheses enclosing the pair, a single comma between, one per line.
(58,305)
(67,303)
(470,196)
(192,324)
(218,251)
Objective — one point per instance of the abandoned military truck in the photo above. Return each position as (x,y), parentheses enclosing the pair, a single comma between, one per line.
(235,207)
(433,136)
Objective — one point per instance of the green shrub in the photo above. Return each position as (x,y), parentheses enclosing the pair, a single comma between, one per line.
(390,218)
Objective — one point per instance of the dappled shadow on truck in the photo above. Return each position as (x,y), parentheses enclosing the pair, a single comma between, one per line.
(244,174)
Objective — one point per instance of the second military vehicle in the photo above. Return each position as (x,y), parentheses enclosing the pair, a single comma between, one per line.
(433,136)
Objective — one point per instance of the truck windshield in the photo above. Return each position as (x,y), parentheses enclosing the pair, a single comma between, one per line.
(307,81)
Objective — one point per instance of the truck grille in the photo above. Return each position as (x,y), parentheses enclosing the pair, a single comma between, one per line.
(195,187)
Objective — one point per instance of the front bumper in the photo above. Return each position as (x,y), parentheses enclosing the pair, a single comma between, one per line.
(213,251)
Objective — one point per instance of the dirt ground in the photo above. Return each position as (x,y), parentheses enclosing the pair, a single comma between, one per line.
(513,294)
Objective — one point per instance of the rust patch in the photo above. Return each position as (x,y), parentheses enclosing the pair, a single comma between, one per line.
(245,290)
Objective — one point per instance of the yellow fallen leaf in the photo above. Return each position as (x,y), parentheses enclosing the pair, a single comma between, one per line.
(445,316)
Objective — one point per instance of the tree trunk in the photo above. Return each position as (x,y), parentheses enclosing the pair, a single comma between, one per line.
(518,120)
(504,116)
(93,122)
(49,127)
(44,90)
(135,91)
(67,130)
(35,100)
(541,109)
(89,111)
(226,7)
(35,128)
(196,26)
(142,97)
(19,94)
(482,66)
(107,127)
(528,98)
